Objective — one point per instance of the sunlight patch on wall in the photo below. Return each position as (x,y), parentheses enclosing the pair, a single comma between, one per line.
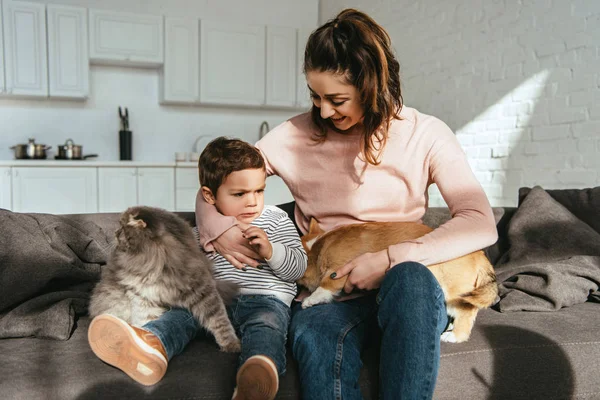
(491,137)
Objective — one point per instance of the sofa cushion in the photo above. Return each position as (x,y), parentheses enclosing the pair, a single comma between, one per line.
(583,203)
(553,260)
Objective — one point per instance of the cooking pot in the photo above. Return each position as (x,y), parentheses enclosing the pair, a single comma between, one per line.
(71,151)
(30,150)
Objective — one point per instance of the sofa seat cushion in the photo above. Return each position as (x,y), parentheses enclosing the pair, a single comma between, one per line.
(525,355)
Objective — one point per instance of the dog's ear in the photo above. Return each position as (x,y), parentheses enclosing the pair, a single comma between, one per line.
(314,226)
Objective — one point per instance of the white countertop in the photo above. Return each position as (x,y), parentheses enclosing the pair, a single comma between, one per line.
(93,163)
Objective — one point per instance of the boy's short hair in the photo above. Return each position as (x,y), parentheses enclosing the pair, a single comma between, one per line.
(222,156)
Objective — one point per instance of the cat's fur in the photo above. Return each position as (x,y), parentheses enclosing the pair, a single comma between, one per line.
(468,282)
(158,264)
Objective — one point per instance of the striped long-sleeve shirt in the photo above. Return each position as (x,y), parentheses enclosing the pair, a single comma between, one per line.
(279,274)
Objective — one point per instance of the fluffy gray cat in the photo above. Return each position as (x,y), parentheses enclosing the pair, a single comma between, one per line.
(157,264)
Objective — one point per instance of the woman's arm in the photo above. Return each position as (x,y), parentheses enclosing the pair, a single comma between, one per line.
(472,226)
(223,234)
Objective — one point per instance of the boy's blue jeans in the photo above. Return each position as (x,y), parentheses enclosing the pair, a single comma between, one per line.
(260,321)
(409,311)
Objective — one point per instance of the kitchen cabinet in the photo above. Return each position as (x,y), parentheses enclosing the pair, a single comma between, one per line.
(25,61)
(178,79)
(232,63)
(303,99)
(281,66)
(117,189)
(123,187)
(125,38)
(5,188)
(186,188)
(68,62)
(54,190)
(2,84)
(156,187)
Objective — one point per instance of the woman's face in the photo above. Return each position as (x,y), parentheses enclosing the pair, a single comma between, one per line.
(338,100)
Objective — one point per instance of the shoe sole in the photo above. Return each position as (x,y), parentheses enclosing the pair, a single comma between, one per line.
(114,342)
(250,376)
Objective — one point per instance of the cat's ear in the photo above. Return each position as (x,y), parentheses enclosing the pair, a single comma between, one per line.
(138,223)
(208,195)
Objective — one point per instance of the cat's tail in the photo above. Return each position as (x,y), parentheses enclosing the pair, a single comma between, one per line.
(228,291)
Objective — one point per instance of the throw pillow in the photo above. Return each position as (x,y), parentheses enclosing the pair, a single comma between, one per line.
(553,260)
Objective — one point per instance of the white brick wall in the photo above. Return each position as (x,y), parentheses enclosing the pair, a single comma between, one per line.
(517,80)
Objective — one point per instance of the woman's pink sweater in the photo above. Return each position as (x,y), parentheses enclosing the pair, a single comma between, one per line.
(331,182)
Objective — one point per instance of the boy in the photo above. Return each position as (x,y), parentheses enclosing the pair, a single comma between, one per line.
(232,177)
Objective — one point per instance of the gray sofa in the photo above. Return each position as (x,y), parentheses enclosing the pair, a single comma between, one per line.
(511,355)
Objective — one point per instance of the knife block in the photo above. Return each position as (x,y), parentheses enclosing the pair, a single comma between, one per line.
(125,143)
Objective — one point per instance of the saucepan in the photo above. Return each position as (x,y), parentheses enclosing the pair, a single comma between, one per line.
(72,151)
(30,150)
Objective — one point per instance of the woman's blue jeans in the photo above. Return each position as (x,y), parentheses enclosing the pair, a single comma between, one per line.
(410,310)
(260,321)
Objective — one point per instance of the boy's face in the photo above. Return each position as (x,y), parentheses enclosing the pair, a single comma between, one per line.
(241,195)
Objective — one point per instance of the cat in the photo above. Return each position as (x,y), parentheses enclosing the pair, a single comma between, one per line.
(468,282)
(157,264)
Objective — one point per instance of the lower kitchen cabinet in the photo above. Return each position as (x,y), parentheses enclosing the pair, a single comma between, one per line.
(54,190)
(156,187)
(117,189)
(5,188)
(120,188)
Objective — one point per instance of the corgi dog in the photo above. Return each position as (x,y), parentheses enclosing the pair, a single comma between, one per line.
(468,282)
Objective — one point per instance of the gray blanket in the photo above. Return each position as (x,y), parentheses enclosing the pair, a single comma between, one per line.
(554,257)
(48,266)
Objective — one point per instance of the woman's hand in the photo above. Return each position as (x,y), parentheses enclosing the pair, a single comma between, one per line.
(235,248)
(365,272)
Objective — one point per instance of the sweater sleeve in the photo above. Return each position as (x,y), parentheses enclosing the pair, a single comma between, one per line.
(289,259)
(472,226)
(211,223)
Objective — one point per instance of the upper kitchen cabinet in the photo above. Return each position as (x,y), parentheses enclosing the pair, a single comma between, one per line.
(68,62)
(281,66)
(2,86)
(125,38)
(25,48)
(232,63)
(179,76)
(302,95)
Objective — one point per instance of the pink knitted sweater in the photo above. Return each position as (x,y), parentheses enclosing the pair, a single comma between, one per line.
(331,182)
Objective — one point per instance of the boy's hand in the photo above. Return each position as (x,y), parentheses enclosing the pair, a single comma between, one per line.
(259,241)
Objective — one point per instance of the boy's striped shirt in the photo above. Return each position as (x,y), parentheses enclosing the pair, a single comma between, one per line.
(279,274)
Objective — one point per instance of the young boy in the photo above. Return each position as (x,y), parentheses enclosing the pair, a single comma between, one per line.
(232,177)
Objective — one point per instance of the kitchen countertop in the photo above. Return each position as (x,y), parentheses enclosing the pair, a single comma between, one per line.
(94,163)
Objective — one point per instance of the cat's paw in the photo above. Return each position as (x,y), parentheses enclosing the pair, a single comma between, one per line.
(448,337)
(319,296)
(232,347)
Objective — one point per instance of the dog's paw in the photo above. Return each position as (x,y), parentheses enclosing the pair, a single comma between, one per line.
(448,337)
(232,347)
(319,296)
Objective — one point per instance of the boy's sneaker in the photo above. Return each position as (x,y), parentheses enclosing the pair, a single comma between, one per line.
(137,352)
(257,379)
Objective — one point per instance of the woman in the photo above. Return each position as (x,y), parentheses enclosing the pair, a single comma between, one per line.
(358,156)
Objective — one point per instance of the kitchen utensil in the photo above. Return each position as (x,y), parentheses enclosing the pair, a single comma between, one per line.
(124,118)
(72,151)
(31,150)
